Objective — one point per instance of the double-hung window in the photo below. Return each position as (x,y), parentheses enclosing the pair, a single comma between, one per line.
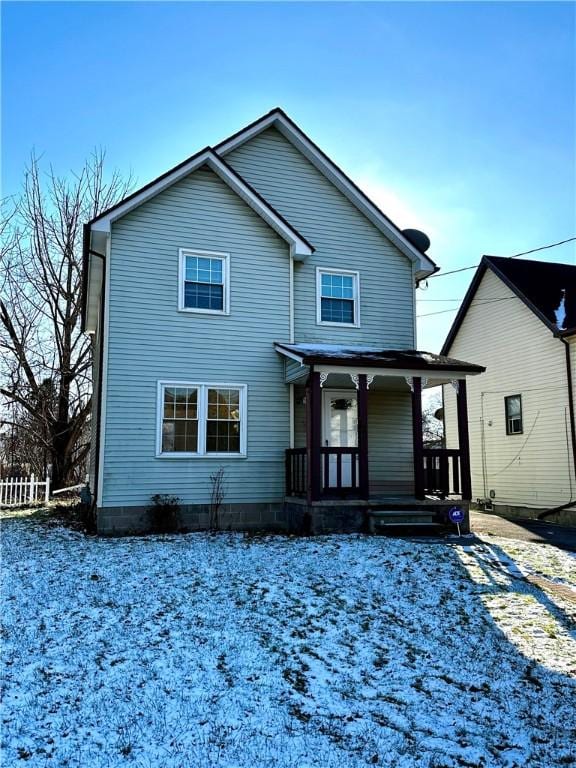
(201,419)
(513,408)
(204,282)
(337,297)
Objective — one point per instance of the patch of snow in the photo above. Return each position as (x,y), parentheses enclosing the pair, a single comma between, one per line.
(330,652)
(560,312)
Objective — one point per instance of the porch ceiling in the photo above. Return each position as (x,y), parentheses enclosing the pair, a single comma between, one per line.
(385,364)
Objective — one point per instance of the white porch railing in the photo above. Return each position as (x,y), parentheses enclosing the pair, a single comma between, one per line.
(16,491)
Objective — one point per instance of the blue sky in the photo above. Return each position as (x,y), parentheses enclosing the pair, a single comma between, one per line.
(458,118)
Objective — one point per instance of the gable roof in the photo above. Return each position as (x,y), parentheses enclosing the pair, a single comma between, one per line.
(300,247)
(213,157)
(540,285)
(207,157)
(279,120)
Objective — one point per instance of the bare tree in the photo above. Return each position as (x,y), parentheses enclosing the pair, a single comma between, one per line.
(432,426)
(45,359)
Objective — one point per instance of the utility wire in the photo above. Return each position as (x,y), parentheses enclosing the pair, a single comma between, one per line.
(491,298)
(515,256)
(455,309)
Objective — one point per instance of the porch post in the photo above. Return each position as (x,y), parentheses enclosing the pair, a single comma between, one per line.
(417,438)
(364,480)
(314,436)
(464,440)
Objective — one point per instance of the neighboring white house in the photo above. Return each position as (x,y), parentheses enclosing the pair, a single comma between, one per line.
(518,319)
(253,311)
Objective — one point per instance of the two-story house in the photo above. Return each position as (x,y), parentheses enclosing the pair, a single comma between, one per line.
(518,319)
(252,309)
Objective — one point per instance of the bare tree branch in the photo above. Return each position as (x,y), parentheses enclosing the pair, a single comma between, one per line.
(45,360)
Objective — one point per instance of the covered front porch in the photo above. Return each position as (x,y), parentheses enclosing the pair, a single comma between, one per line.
(357,437)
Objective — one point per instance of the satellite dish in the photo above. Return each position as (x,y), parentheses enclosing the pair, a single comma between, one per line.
(418,239)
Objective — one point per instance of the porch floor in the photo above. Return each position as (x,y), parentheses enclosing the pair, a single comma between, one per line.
(379,500)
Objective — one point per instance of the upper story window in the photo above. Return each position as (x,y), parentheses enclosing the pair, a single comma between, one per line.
(513,408)
(337,297)
(201,419)
(204,284)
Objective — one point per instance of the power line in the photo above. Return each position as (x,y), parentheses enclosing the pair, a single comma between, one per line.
(418,299)
(515,256)
(455,309)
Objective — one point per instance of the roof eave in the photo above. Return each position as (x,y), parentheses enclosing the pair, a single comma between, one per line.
(311,359)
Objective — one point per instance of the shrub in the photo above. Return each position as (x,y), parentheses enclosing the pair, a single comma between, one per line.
(164,513)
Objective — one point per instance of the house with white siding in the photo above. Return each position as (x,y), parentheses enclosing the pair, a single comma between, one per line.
(518,319)
(252,310)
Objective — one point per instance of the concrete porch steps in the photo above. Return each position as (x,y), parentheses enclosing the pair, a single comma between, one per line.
(375,515)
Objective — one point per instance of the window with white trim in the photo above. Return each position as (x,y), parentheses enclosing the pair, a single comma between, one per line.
(201,419)
(180,420)
(337,295)
(204,282)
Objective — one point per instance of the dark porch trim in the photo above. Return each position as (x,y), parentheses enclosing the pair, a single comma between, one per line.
(417,437)
(464,440)
(363,436)
(314,435)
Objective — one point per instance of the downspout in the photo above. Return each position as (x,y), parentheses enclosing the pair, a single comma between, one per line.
(291,300)
(100,374)
(291,336)
(416,283)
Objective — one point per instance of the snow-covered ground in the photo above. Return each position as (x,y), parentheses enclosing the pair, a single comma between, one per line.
(337,652)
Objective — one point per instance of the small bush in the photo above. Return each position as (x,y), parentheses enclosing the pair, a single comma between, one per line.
(217,494)
(164,513)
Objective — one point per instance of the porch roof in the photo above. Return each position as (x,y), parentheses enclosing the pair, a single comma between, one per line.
(375,357)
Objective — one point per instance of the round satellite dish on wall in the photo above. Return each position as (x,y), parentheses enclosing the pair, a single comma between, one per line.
(418,239)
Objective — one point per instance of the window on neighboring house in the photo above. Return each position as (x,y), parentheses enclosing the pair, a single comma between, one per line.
(201,419)
(204,283)
(337,297)
(513,408)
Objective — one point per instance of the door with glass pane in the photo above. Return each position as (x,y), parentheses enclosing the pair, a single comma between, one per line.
(340,428)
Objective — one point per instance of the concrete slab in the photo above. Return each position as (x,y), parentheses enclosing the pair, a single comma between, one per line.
(537,531)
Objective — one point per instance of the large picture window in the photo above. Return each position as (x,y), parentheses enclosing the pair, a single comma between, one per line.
(513,408)
(204,282)
(201,419)
(337,297)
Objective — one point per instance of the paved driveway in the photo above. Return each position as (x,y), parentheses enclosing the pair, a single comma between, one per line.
(524,530)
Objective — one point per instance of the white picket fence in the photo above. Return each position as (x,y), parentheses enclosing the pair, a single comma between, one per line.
(15,491)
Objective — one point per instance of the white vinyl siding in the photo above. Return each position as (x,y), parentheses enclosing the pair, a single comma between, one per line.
(521,355)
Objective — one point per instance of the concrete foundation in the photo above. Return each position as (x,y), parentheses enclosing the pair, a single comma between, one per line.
(119,521)
(292,516)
